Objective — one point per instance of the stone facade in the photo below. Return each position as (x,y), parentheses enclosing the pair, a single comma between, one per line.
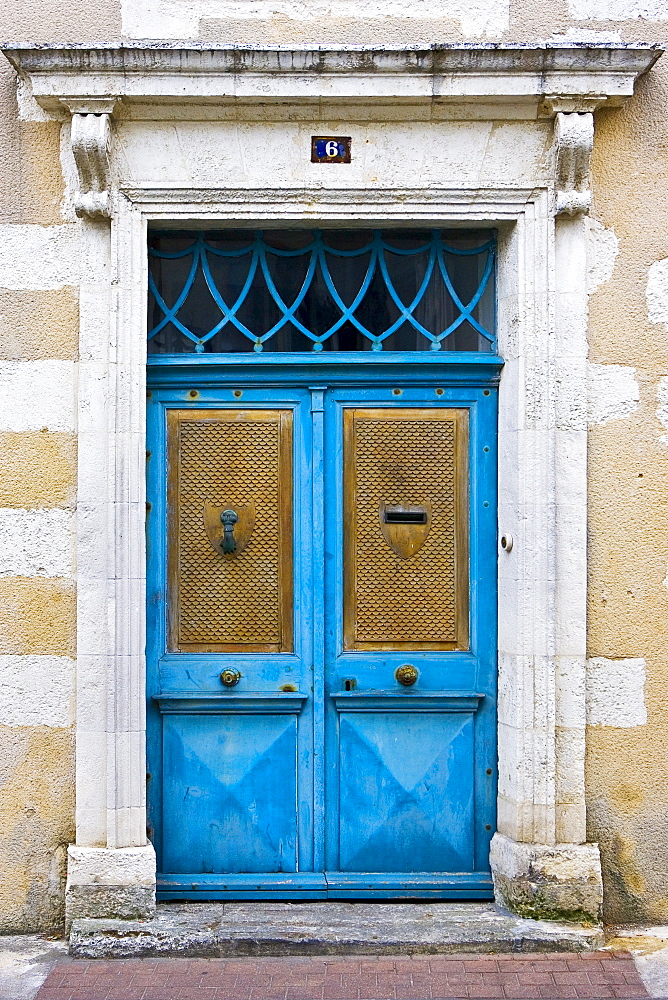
(586,708)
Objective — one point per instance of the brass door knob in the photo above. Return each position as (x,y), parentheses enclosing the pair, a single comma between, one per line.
(230,677)
(406,674)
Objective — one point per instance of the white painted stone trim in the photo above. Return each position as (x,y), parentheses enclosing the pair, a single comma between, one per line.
(111,554)
(37,395)
(542,444)
(125,866)
(90,136)
(38,257)
(542,480)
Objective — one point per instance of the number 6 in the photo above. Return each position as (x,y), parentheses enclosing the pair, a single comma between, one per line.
(332,148)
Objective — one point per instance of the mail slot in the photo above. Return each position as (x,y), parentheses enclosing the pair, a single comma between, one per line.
(399,516)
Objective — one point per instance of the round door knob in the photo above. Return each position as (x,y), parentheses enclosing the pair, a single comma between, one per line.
(230,677)
(406,674)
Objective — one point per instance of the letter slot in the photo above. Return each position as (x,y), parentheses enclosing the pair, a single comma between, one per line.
(405,527)
(400,515)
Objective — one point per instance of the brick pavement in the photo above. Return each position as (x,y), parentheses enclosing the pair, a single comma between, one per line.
(418,977)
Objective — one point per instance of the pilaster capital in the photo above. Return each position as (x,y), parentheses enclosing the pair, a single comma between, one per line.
(554,104)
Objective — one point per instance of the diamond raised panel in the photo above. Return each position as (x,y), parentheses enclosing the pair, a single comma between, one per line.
(230,793)
(406,790)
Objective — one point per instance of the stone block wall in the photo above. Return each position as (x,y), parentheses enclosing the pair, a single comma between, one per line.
(627,735)
(38,453)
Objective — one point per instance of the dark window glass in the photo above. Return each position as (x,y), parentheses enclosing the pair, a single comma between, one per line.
(321,290)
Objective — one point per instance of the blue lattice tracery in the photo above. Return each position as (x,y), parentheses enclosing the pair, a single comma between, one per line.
(385,289)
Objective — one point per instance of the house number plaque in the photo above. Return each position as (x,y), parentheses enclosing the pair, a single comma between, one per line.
(330,149)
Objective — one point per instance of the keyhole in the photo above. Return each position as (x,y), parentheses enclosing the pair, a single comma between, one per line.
(349,684)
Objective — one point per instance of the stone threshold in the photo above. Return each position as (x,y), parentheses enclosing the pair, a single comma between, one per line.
(222,930)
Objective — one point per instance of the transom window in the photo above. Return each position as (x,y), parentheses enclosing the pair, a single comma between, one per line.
(321,290)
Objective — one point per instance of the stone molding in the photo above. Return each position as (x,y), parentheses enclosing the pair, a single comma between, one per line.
(573,145)
(504,81)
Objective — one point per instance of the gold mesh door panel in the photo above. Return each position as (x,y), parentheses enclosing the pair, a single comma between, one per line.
(408,458)
(240,601)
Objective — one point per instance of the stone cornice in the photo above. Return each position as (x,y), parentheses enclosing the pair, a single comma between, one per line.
(515,80)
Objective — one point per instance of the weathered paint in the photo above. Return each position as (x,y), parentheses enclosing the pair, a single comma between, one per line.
(31,185)
(58,20)
(39,326)
(616,692)
(37,615)
(618,10)
(662,408)
(39,257)
(627,796)
(37,690)
(403,781)
(174,19)
(36,542)
(612,392)
(37,395)
(657,292)
(36,824)
(27,107)
(601,255)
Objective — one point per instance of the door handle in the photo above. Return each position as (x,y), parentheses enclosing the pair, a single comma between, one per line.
(406,674)
(229,518)
(230,677)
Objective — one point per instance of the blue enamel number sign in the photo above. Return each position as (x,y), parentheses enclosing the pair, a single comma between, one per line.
(330,149)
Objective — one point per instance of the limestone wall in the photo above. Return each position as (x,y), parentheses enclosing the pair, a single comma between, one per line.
(38,350)
(628,458)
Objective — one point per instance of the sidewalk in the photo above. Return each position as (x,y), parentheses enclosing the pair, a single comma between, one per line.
(420,977)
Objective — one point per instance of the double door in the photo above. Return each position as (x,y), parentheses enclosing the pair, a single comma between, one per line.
(321,640)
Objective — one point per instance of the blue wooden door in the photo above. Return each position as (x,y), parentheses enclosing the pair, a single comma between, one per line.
(321,695)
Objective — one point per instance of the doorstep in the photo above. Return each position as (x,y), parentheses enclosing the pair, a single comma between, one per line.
(220,930)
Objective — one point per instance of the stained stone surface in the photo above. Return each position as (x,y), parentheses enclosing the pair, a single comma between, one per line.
(325,928)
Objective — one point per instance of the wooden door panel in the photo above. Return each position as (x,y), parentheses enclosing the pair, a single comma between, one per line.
(317,771)
(230,793)
(406,792)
